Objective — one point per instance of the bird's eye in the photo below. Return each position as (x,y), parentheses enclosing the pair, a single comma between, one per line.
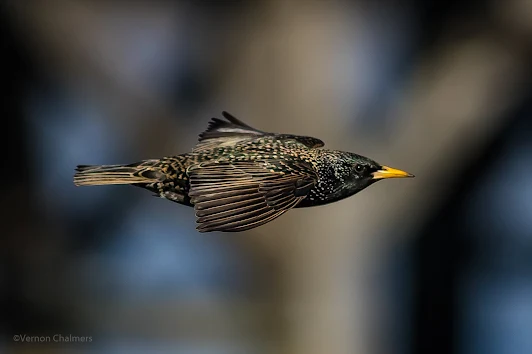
(360,168)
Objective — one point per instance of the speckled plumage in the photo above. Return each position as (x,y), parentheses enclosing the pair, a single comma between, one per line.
(238,177)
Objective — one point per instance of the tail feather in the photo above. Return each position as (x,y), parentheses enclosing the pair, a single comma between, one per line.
(94,175)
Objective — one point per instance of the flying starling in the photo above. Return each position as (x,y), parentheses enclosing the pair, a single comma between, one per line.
(238,177)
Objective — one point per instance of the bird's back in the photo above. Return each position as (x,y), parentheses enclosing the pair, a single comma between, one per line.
(279,153)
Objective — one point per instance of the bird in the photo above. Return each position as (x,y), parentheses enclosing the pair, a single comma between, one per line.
(238,178)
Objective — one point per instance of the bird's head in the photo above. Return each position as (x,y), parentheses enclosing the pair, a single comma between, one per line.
(350,173)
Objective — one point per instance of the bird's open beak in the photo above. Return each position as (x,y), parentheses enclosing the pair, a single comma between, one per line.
(388,172)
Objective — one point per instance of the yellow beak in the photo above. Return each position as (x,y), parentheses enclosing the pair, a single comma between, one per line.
(388,172)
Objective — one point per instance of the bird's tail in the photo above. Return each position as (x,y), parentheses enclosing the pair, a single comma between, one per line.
(140,172)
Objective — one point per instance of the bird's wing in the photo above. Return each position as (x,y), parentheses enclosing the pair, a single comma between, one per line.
(308,141)
(238,196)
(223,133)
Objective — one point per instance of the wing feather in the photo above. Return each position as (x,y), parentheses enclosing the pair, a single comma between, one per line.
(232,131)
(240,196)
(221,133)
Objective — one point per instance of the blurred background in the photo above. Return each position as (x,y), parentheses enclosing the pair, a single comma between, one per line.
(437,264)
